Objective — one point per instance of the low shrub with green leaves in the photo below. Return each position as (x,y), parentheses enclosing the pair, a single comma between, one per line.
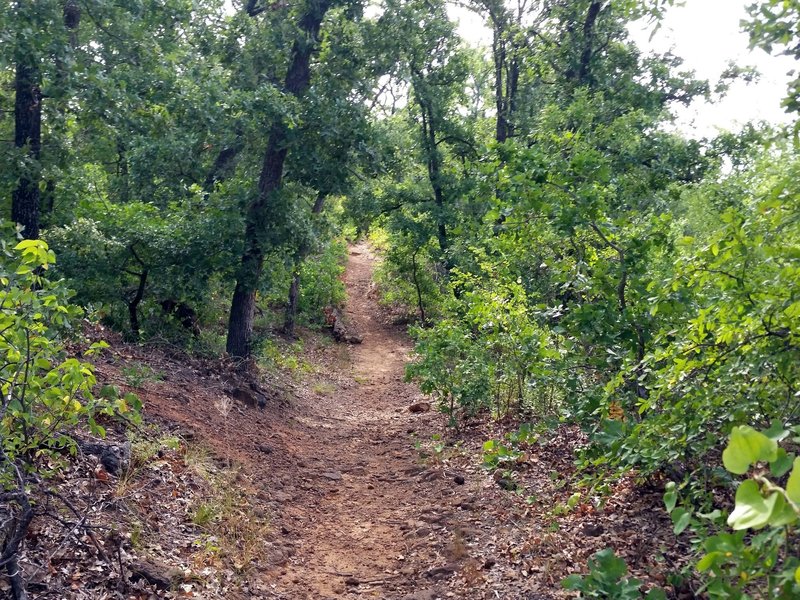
(760,557)
(607,579)
(46,393)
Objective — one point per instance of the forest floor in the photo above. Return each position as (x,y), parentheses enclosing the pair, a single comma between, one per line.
(347,484)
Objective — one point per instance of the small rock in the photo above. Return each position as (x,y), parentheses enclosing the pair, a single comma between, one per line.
(506,484)
(592,530)
(419,407)
(282,497)
(440,572)
(459,479)
(422,595)
(333,475)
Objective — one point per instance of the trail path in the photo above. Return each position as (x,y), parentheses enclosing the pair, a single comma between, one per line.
(370,523)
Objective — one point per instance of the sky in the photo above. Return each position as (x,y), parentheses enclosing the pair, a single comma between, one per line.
(707,35)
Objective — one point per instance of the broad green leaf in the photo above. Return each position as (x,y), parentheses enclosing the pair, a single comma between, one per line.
(708,561)
(670,497)
(782,513)
(746,447)
(752,509)
(776,431)
(793,485)
(25,244)
(680,519)
(781,465)
(572,582)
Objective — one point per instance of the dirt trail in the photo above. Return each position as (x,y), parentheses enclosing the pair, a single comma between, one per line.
(369,523)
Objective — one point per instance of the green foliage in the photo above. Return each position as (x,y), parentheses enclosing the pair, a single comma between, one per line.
(498,454)
(106,252)
(46,393)
(136,374)
(606,579)
(760,558)
(321,283)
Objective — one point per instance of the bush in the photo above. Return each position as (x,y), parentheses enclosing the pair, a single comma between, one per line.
(45,393)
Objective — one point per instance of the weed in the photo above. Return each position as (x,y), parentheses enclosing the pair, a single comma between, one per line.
(231,530)
(323,389)
(137,374)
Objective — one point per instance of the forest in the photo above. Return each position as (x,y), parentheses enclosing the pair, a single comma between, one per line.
(582,301)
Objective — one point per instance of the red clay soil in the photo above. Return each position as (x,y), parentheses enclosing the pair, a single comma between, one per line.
(360,498)
(355,511)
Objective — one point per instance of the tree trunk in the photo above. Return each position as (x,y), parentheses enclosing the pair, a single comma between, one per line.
(28,133)
(298,77)
(584,67)
(291,305)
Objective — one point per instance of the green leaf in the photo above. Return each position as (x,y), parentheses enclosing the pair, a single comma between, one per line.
(781,465)
(782,514)
(776,431)
(610,564)
(680,520)
(752,511)
(746,447)
(793,485)
(25,244)
(708,561)
(573,582)
(670,497)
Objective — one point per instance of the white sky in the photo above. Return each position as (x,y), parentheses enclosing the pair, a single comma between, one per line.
(706,34)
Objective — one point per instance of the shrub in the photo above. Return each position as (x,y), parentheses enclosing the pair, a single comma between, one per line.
(45,393)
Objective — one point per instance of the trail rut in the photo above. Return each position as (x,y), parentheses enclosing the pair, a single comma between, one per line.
(370,522)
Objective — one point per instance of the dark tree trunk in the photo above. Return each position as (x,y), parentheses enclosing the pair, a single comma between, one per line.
(294,288)
(298,77)
(291,305)
(584,67)
(499,53)
(133,305)
(28,134)
(72,20)
(223,165)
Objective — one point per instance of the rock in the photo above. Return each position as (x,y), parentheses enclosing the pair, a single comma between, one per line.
(264,448)
(459,479)
(441,572)
(247,395)
(115,458)
(342,332)
(593,530)
(333,475)
(422,595)
(282,497)
(419,407)
(507,484)
(154,574)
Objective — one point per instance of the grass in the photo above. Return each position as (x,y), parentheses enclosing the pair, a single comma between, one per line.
(323,389)
(231,530)
(137,374)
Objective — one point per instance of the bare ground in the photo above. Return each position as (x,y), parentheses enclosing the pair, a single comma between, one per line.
(342,491)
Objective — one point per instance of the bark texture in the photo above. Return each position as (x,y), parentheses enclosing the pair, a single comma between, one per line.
(298,77)
(28,134)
